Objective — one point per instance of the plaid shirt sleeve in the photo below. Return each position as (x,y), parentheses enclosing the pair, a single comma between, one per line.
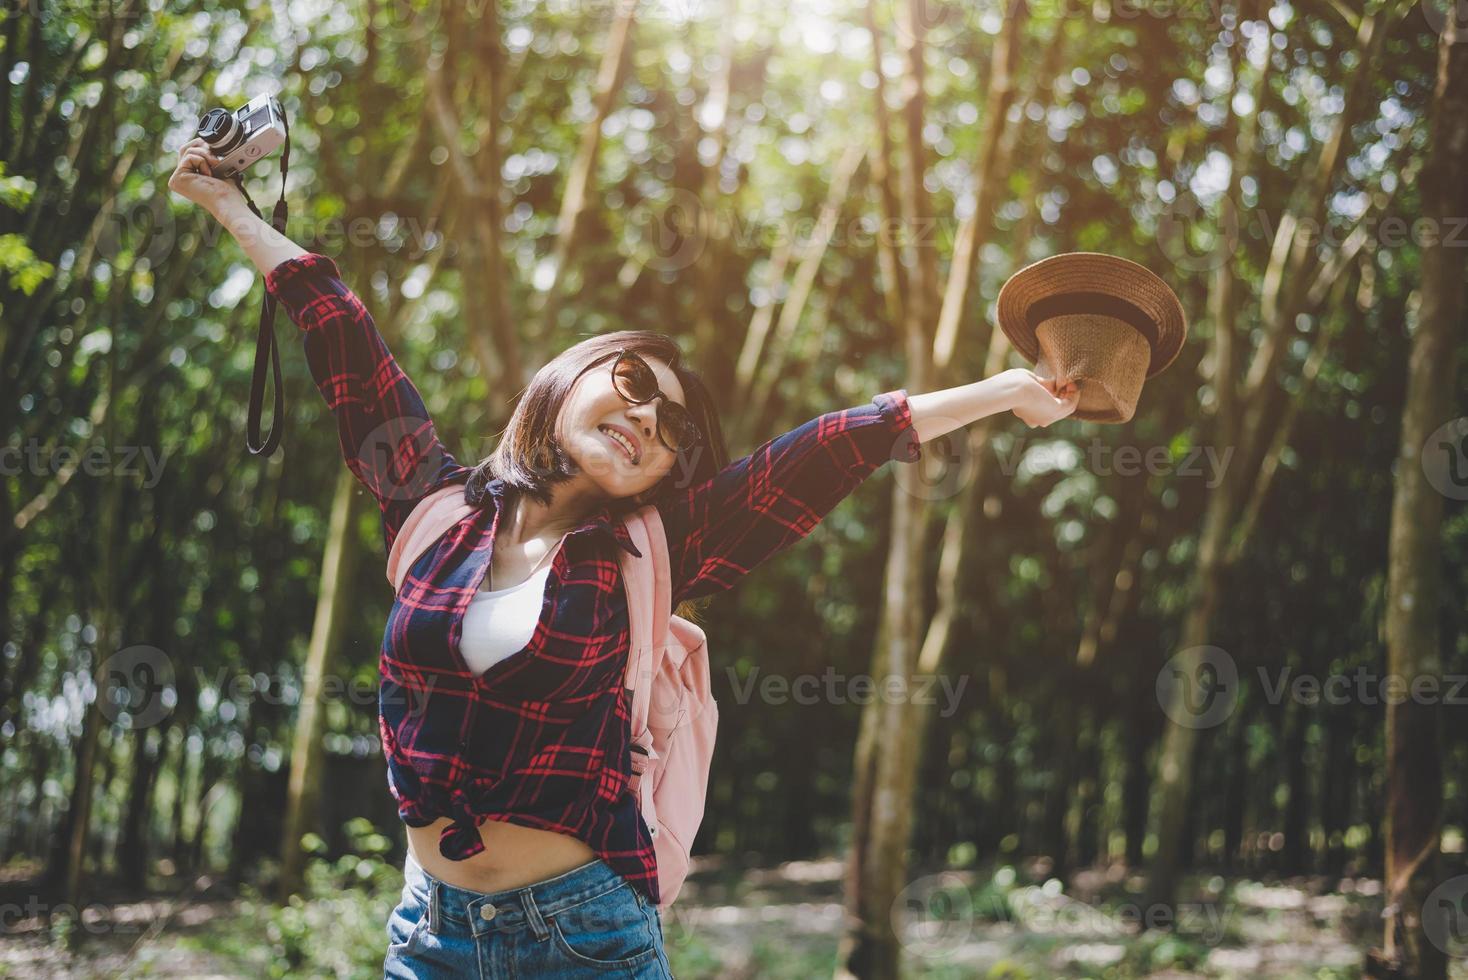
(387,437)
(754,507)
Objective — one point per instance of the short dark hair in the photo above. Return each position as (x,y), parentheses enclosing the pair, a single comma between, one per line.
(529,457)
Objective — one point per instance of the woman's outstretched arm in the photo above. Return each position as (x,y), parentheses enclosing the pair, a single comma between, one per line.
(387,437)
(1034,399)
(721,529)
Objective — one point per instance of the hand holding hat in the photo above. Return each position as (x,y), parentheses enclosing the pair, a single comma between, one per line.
(1100,322)
(1040,401)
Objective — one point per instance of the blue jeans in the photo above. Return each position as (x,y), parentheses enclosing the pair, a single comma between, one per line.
(586,922)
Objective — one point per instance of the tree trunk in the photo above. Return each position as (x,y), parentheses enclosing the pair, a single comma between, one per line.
(869,946)
(1413,821)
(1237,793)
(1297,777)
(576,199)
(132,863)
(104,592)
(332,599)
(1135,788)
(1336,793)
(1283,297)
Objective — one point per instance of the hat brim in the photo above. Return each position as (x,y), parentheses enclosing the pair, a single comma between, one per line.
(1092,282)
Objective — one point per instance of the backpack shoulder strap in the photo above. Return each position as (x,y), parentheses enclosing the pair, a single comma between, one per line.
(648,583)
(429,519)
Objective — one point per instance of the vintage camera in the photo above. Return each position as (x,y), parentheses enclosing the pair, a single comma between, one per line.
(242,138)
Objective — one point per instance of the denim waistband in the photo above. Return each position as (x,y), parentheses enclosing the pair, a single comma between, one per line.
(512,908)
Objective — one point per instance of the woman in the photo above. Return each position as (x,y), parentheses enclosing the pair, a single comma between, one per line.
(501,709)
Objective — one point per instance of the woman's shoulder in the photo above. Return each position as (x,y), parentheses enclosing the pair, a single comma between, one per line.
(429,520)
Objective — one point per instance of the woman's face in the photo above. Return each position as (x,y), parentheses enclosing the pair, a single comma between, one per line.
(593,408)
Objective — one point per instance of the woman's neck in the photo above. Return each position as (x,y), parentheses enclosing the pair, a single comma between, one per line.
(529,519)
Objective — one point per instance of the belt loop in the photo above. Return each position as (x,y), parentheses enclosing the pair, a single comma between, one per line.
(434,898)
(532,915)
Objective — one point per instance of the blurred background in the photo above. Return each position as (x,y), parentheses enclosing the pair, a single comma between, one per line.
(1182,696)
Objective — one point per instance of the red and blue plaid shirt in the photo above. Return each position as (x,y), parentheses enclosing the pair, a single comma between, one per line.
(542,738)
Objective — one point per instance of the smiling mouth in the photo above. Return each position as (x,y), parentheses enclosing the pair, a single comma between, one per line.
(621,442)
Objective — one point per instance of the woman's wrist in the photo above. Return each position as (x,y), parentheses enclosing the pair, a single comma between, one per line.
(1010,382)
(265,246)
(935,413)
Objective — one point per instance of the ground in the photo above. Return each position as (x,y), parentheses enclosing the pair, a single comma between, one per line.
(781,922)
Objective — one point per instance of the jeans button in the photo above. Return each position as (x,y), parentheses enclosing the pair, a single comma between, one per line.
(487,912)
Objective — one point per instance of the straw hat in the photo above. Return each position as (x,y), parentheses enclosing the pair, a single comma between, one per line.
(1097,319)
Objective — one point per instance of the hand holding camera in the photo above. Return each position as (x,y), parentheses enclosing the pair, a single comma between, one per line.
(227,144)
(194,177)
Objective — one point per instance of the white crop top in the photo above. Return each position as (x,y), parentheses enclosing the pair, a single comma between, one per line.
(501,622)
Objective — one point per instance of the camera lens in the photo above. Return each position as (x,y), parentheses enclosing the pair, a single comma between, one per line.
(221,131)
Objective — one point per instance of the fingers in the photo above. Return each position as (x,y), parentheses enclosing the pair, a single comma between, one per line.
(192,162)
(197,145)
(197,141)
(198,161)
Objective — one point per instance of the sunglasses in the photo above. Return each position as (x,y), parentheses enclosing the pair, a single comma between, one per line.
(634,380)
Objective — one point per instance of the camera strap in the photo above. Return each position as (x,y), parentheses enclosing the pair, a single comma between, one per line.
(265,346)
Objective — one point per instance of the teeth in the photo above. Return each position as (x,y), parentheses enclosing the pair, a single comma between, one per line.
(622,441)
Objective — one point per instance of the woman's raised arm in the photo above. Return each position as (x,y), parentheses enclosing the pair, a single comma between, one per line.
(761,504)
(387,437)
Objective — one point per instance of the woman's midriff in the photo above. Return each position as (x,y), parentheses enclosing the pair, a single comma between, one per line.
(513,855)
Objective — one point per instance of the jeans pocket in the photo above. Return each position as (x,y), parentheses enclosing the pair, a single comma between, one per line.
(406,925)
(610,932)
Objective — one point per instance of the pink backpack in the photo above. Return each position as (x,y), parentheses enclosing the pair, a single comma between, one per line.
(674,714)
